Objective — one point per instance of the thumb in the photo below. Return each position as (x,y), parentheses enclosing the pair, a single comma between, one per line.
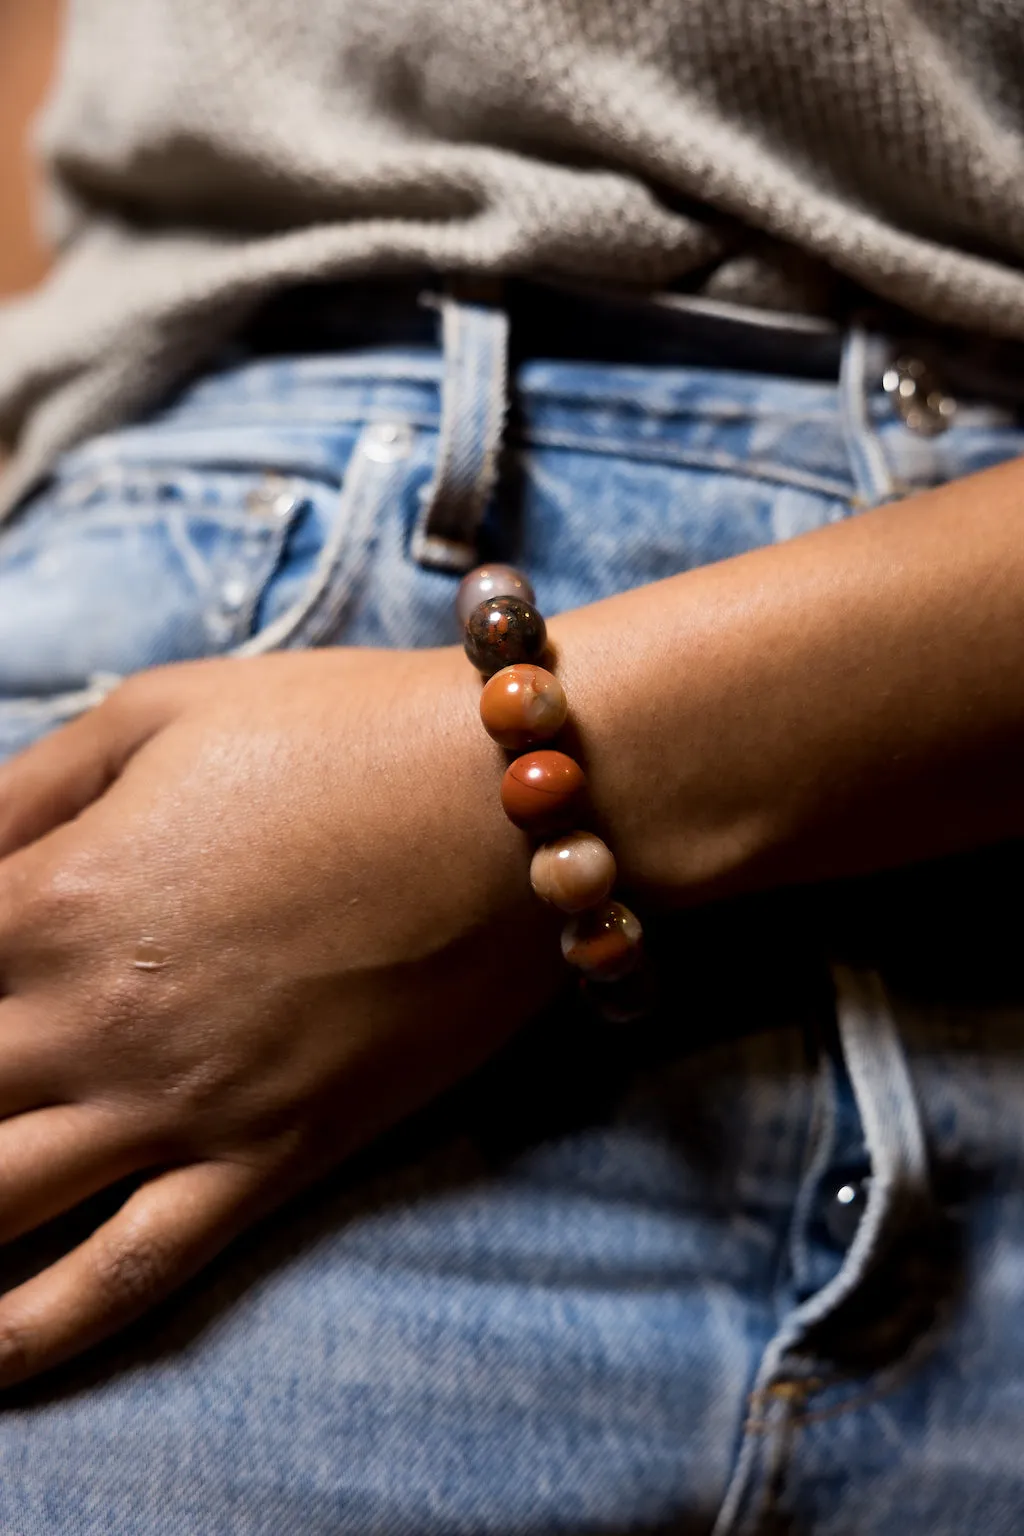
(56,778)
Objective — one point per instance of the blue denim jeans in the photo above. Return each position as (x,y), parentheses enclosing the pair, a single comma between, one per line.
(753,1266)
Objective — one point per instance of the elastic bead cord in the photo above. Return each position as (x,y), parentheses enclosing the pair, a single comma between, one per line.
(523,706)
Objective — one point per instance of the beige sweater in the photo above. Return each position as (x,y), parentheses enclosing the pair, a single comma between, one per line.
(204,153)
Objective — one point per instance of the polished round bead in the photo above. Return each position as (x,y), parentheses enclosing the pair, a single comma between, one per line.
(573,872)
(541,789)
(523,705)
(502,632)
(604,944)
(490,581)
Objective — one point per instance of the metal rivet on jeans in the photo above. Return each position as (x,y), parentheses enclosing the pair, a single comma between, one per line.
(917,397)
(386,441)
(845,1209)
(233,593)
(275,496)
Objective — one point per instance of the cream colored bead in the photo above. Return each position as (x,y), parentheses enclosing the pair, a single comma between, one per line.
(573,872)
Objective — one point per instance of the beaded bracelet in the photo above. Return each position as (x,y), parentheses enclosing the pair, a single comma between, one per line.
(523,705)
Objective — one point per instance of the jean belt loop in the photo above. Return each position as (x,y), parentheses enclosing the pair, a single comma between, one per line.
(862,360)
(474,406)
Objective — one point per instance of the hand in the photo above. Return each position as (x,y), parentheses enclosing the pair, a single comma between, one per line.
(309,853)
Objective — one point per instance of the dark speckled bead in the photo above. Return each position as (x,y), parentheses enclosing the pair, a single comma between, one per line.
(503,631)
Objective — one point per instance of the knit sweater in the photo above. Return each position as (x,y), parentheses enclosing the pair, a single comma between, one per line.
(204,153)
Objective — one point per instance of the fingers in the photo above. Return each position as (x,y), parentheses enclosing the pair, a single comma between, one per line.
(54,1158)
(32,1064)
(52,781)
(161,1236)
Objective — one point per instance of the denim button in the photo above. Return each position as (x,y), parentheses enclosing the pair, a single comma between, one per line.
(845,1209)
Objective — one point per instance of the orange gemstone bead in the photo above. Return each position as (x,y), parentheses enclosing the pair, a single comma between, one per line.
(604,944)
(541,789)
(523,705)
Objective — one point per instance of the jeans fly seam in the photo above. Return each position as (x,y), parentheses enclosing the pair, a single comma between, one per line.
(753,1438)
(821,1141)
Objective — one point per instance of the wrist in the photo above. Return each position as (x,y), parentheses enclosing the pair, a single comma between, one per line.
(654,723)
(839,704)
(489,858)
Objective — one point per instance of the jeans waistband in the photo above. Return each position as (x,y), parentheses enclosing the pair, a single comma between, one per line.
(555,322)
(484,329)
(546,320)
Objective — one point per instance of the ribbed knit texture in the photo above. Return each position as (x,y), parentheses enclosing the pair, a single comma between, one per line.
(205,153)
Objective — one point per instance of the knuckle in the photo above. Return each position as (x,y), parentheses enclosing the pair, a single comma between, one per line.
(172,1111)
(61,888)
(195,1087)
(133,1268)
(136,697)
(94,1015)
(17,1354)
(127,696)
(47,903)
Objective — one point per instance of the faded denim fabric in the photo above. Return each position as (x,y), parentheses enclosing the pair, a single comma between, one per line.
(754,1266)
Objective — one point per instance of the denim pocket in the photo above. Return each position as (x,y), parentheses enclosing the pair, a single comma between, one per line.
(119,565)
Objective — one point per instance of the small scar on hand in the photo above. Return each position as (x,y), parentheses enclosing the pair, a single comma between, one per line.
(150,955)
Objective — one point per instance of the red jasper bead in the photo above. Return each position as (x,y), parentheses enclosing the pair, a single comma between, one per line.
(541,789)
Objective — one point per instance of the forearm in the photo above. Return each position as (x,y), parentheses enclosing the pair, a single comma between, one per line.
(849,701)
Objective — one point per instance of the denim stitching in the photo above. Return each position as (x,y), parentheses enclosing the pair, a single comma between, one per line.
(311,619)
(297,410)
(752,469)
(755,1431)
(895,1137)
(593,442)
